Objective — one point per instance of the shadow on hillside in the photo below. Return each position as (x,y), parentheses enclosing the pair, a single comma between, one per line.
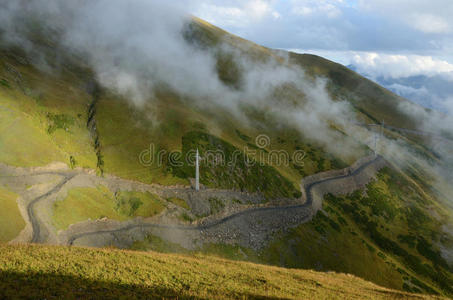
(34,285)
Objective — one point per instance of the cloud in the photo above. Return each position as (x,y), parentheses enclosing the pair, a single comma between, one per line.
(391,65)
(421,27)
(236,14)
(429,23)
(258,8)
(408,90)
(426,16)
(327,8)
(140,46)
(423,79)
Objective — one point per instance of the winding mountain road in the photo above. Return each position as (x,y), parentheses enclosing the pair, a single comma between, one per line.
(36,238)
(308,204)
(303,212)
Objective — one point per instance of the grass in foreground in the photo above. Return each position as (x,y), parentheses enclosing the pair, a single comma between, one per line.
(62,272)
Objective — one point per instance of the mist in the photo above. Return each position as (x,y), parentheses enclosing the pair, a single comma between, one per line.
(138,46)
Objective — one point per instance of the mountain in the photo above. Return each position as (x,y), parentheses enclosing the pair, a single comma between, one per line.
(97,149)
(427,91)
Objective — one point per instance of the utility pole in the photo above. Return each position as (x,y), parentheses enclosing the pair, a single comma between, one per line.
(375,143)
(197,173)
(381,137)
(382,129)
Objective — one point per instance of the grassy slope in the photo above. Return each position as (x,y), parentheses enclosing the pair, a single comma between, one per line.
(389,225)
(95,203)
(51,115)
(398,253)
(54,272)
(47,112)
(374,102)
(11,222)
(56,108)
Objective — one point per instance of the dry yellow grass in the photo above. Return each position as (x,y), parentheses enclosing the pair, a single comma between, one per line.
(62,272)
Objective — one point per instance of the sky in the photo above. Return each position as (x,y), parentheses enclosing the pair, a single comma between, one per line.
(405,45)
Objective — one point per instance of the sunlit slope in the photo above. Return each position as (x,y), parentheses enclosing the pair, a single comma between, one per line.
(42,115)
(48,116)
(371,100)
(390,233)
(11,222)
(61,272)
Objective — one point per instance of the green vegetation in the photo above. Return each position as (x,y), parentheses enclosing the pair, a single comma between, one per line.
(72,162)
(94,203)
(33,148)
(366,234)
(97,133)
(242,136)
(47,107)
(155,243)
(180,202)
(325,245)
(4,83)
(217,169)
(389,217)
(137,204)
(11,221)
(370,100)
(216,205)
(59,122)
(185,217)
(56,104)
(62,272)
(228,70)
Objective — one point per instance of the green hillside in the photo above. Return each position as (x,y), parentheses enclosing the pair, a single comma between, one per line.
(72,273)
(386,234)
(391,233)
(11,222)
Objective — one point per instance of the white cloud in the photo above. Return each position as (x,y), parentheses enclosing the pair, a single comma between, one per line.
(328,8)
(390,65)
(236,14)
(429,23)
(221,15)
(432,16)
(404,89)
(258,8)
(302,10)
(386,65)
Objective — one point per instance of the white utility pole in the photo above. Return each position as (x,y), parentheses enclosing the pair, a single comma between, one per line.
(378,136)
(197,173)
(382,129)
(375,143)
(381,136)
